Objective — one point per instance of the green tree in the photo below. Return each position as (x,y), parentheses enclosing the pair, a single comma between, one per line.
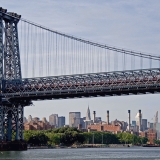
(144,140)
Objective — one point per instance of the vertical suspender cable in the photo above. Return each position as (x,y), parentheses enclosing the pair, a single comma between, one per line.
(105,60)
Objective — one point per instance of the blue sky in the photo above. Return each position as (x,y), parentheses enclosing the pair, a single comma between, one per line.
(123,23)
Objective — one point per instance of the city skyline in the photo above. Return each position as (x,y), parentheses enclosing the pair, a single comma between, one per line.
(132,25)
(133,118)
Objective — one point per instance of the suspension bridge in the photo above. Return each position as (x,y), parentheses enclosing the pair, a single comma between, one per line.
(38,63)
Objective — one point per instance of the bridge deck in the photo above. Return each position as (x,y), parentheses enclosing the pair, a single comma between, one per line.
(84,85)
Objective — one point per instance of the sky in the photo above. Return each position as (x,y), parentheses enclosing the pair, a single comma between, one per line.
(122,23)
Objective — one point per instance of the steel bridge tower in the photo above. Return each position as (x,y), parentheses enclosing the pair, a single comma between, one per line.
(11,113)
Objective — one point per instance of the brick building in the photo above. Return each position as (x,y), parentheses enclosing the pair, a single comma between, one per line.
(151,134)
(104,127)
(37,126)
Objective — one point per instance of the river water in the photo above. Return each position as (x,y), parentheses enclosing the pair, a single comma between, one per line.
(132,153)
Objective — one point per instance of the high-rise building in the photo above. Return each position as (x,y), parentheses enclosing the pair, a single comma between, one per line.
(158,130)
(53,120)
(151,125)
(25,120)
(144,124)
(29,118)
(74,119)
(44,120)
(88,115)
(61,121)
(134,123)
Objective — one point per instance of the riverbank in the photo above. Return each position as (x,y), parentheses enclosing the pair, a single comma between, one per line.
(83,146)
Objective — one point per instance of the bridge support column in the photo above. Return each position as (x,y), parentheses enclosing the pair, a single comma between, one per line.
(2,122)
(11,122)
(19,123)
(9,126)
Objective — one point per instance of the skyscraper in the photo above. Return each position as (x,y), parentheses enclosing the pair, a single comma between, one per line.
(61,121)
(53,120)
(87,121)
(29,118)
(74,119)
(88,115)
(144,124)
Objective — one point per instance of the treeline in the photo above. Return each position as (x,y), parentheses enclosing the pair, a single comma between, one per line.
(68,136)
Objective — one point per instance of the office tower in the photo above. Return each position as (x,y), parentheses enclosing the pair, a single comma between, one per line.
(61,121)
(144,124)
(25,120)
(134,123)
(88,115)
(29,118)
(74,119)
(44,120)
(53,120)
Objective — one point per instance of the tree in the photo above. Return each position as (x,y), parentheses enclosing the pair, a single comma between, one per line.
(144,140)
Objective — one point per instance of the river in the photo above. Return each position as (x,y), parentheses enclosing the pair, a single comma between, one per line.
(131,153)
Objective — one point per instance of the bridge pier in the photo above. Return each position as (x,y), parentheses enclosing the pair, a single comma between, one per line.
(11,127)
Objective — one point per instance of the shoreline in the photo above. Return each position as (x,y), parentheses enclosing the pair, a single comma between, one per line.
(83,146)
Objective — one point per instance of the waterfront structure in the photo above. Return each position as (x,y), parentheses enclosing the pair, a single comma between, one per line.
(74,119)
(53,120)
(61,121)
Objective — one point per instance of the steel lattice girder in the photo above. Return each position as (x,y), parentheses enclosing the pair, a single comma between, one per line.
(15,126)
(1,48)
(12,67)
(109,82)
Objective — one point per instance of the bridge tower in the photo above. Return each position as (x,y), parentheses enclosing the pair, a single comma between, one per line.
(11,113)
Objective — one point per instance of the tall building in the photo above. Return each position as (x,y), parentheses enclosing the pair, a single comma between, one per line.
(44,120)
(88,115)
(144,124)
(158,130)
(25,120)
(87,120)
(61,121)
(74,119)
(133,123)
(53,120)
(151,125)
(30,118)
